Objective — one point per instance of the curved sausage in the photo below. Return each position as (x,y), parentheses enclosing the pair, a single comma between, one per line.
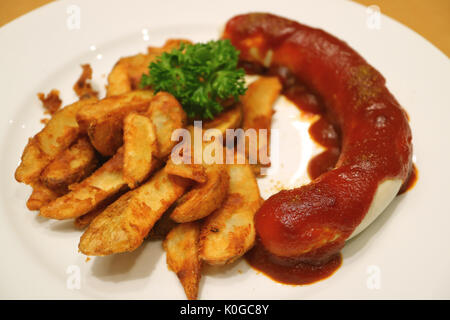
(311,223)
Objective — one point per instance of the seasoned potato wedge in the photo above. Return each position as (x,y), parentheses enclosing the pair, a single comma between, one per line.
(124,224)
(181,246)
(167,115)
(192,171)
(127,72)
(229,232)
(229,119)
(72,165)
(103,121)
(41,196)
(203,198)
(86,195)
(59,133)
(257,106)
(162,227)
(84,220)
(139,145)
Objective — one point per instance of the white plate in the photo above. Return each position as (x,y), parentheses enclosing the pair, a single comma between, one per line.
(404,254)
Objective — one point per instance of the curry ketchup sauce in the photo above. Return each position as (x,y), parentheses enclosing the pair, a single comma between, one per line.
(301,231)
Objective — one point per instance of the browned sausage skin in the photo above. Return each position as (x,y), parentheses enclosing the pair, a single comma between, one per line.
(311,223)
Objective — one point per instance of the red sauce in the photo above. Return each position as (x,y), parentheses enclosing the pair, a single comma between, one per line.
(308,226)
(323,162)
(290,273)
(410,181)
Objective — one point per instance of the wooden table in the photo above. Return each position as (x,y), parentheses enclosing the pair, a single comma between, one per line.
(429,18)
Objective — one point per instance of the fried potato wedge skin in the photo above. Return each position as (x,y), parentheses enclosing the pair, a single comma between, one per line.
(72,165)
(229,119)
(181,246)
(59,133)
(139,146)
(127,72)
(162,227)
(86,195)
(118,80)
(41,196)
(192,171)
(257,106)
(229,232)
(203,198)
(123,225)
(167,115)
(103,121)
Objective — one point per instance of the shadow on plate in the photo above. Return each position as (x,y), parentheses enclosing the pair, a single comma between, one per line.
(133,265)
(358,243)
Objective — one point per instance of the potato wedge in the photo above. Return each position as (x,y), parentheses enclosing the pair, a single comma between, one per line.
(84,220)
(257,106)
(73,165)
(203,198)
(41,196)
(192,171)
(86,195)
(127,72)
(167,115)
(127,221)
(139,145)
(162,227)
(59,133)
(229,232)
(118,80)
(229,119)
(181,246)
(103,121)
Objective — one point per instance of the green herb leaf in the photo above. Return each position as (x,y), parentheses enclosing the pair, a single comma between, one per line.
(201,76)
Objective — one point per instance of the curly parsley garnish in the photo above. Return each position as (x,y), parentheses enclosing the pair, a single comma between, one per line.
(201,76)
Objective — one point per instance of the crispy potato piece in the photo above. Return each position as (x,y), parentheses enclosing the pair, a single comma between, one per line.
(85,196)
(108,179)
(50,101)
(59,133)
(229,119)
(203,198)
(118,79)
(41,196)
(139,146)
(181,246)
(167,115)
(103,121)
(162,227)
(127,72)
(84,220)
(229,232)
(127,221)
(192,171)
(73,165)
(83,87)
(257,106)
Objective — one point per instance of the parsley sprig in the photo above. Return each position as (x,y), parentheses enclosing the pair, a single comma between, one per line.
(201,76)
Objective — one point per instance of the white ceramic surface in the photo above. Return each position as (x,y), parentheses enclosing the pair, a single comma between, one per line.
(403,254)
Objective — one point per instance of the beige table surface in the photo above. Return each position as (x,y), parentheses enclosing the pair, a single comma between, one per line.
(429,18)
